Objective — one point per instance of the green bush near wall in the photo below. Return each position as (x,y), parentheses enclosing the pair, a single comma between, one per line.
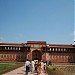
(51,67)
(51,70)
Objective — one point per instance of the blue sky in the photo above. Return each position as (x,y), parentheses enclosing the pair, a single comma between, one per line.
(46,20)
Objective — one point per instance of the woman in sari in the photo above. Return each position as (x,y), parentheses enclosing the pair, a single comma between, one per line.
(39,68)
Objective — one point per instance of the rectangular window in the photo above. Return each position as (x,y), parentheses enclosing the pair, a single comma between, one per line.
(19,48)
(5,48)
(11,48)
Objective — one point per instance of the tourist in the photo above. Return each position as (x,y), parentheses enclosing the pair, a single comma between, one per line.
(44,68)
(39,68)
(30,68)
(36,63)
(41,65)
(27,65)
(33,63)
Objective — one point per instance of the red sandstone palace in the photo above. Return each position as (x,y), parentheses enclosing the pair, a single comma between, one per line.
(37,50)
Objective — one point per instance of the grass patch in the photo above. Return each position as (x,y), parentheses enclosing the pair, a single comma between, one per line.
(51,67)
(6,67)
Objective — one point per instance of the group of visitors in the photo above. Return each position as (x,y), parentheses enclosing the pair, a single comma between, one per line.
(35,66)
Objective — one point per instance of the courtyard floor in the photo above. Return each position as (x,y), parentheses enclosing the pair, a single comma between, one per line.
(21,71)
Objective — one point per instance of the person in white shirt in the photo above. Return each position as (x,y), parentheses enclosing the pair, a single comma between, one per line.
(27,65)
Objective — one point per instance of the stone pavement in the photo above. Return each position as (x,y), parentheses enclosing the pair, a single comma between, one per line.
(21,71)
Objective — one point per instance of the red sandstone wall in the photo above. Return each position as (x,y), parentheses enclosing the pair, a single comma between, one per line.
(11,56)
(60,57)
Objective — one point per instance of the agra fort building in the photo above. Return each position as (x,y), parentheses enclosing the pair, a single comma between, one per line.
(37,50)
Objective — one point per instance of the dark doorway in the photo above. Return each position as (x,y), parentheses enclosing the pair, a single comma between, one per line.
(36,55)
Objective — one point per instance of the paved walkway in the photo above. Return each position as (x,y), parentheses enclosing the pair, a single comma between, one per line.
(21,71)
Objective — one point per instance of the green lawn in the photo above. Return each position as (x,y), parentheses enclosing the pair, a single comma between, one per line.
(4,65)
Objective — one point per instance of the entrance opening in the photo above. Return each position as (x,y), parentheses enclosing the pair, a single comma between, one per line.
(36,55)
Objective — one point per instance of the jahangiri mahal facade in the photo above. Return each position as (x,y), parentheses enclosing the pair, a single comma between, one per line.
(37,50)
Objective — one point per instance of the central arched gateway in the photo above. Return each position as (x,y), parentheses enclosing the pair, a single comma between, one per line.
(36,55)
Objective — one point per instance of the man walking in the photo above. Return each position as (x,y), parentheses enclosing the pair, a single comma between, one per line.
(27,65)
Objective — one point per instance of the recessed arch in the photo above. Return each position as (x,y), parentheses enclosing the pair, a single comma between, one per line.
(36,55)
